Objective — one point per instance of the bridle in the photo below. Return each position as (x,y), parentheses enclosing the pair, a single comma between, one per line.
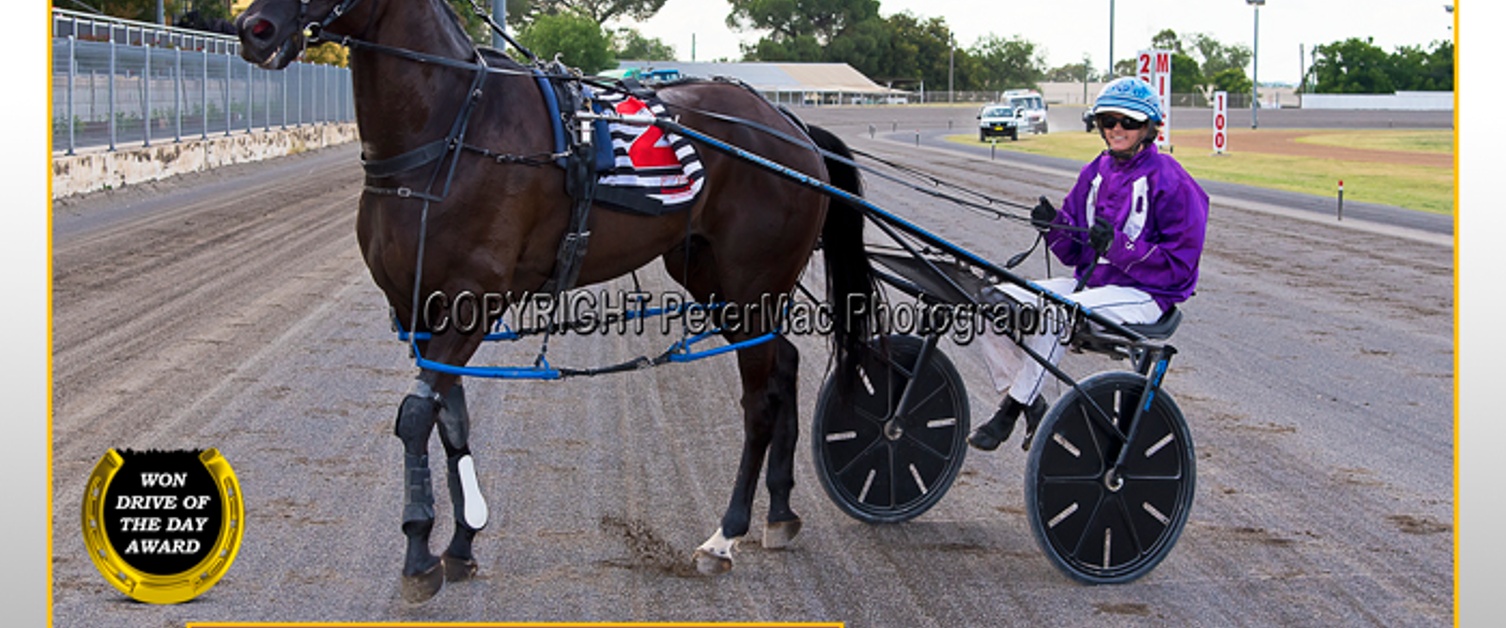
(314,31)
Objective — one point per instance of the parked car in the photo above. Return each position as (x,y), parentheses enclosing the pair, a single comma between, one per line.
(996,119)
(1033,105)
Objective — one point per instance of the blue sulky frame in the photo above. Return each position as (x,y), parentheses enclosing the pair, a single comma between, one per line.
(678,352)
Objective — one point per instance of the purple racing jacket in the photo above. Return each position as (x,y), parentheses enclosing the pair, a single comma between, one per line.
(1159,215)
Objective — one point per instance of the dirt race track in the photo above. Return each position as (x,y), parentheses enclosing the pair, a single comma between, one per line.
(232,310)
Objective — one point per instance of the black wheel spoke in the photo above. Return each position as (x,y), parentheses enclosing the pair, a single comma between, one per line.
(867,450)
(921,447)
(1081,542)
(920,403)
(1129,523)
(868,416)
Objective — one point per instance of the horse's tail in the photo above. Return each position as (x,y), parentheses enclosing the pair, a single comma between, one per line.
(849,276)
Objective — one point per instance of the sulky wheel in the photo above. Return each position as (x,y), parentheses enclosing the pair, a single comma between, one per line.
(882,463)
(1098,523)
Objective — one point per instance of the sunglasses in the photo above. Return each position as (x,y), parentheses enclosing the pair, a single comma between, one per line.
(1128,124)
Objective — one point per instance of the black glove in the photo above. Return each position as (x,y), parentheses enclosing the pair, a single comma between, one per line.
(1043,215)
(1101,235)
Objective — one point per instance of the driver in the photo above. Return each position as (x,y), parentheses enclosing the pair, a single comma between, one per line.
(1144,218)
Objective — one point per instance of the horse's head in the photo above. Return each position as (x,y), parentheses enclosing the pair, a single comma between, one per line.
(271,31)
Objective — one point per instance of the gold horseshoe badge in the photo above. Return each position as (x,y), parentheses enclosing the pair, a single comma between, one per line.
(163,526)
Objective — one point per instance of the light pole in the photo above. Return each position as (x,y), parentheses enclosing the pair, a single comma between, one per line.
(1110,74)
(1255,71)
(499,7)
(951,68)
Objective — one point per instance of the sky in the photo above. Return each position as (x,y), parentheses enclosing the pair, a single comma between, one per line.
(1067,29)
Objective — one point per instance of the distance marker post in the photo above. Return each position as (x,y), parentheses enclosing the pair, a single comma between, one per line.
(1341,200)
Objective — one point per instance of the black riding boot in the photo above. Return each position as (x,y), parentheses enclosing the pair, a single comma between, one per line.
(990,435)
(1033,416)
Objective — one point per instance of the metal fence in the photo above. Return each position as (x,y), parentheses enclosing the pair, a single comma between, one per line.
(116,82)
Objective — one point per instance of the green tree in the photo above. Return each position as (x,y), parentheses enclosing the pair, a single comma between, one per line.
(480,33)
(1008,63)
(577,39)
(921,52)
(1215,57)
(1356,66)
(139,10)
(1416,69)
(799,49)
(600,11)
(1069,73)
(1352,66)
(1440,65)
(628,43)
(1186,74)
(868,46)
(1232,80)
(1167,40)
(789,19)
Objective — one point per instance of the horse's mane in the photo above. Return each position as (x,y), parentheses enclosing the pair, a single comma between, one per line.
(454,25)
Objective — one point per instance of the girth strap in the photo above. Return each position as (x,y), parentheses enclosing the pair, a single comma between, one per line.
(421,156)
(580,180)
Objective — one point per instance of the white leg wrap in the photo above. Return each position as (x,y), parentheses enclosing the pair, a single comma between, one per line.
(718,545)
(475,513)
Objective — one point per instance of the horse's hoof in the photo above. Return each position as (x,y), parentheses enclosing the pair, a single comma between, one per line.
(458,569)
(422,586)
(779,534)
(710,564)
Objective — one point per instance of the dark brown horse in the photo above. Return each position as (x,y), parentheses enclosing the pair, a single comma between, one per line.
(498,226)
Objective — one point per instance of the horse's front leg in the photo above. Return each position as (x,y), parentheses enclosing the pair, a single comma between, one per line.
(416,417)
(436,399)
(465,490)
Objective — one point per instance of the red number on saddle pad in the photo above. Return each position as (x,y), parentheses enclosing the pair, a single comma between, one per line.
(649,150)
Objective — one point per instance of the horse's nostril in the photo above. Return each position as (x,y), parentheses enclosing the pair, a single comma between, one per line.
(261,29)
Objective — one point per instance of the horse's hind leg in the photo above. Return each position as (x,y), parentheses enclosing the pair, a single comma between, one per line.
(416,417)
(768,416)
(783,524)
(465,492)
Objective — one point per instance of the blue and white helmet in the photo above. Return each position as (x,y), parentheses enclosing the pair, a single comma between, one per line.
(1129,96)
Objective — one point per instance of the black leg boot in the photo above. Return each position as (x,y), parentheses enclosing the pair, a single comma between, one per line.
(1033,415)
(990,435)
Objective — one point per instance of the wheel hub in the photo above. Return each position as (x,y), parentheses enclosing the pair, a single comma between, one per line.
(1113,481)
(893,430)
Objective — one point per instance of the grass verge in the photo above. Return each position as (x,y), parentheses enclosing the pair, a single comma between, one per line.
(1425,188)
